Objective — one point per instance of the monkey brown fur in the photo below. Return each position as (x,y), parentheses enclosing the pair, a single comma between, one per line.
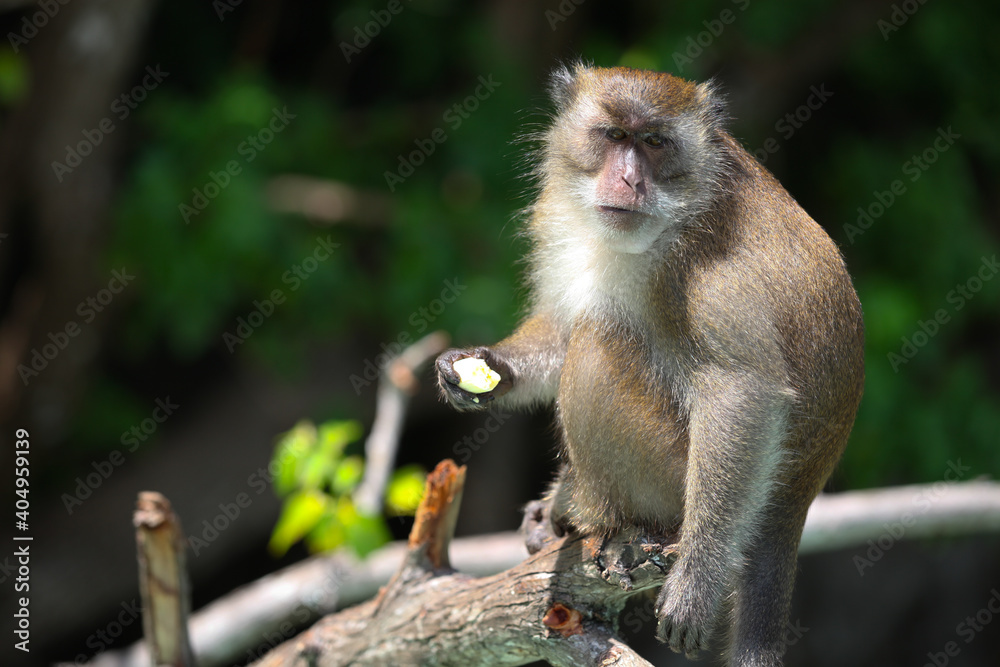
(700,337)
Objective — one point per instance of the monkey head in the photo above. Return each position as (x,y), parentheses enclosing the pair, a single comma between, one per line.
(637,150)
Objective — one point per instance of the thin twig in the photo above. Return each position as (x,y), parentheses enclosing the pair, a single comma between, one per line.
(396,384)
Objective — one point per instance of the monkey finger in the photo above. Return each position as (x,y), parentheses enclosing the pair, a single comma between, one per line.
(463,399)
(505,385)
(446,365)
(497,364)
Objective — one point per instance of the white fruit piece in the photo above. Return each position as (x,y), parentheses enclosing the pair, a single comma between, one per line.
(475,375)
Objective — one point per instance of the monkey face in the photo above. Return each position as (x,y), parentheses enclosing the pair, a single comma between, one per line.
(635,148)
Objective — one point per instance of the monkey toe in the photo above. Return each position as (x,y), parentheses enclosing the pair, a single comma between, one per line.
(680,638)
(535,526)
(681,626)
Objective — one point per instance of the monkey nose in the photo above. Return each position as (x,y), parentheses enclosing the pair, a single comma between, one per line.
(635,184)
(632,178)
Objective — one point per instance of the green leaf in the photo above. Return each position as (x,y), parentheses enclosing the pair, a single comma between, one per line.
(364,533)
(348,475)
(406,489)
(335,435)
(316,470)
(301,513)
(290,455)
(319,470)
(327,535)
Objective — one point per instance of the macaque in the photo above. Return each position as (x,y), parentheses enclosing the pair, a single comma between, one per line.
(702,342)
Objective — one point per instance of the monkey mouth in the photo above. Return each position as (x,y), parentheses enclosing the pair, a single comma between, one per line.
(624,219)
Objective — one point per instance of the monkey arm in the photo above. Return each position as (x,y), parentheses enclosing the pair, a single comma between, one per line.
(737,426)
(529,362)
(534,353)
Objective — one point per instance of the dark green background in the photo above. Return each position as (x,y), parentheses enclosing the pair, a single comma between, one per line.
(885,81)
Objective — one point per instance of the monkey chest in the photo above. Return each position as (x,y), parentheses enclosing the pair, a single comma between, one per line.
(624,429)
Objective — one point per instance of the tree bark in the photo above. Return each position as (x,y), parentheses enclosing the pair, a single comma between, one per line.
(560,605)
(58,217)
(166,596)
(510,609)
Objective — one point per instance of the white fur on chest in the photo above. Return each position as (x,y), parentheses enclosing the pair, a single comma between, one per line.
(577,277)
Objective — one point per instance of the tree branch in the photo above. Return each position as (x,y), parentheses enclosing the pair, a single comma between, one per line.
(166,599)
(327,201)
(225,629)
(554,606)
(942,509)
(396,384)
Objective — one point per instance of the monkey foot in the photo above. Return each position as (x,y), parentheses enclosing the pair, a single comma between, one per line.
(537,526)
(632,560)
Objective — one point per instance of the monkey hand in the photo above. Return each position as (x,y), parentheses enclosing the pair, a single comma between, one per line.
(449,379)
(686,615)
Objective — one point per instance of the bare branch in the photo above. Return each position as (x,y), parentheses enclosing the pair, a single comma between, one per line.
(327,201)
(434,525)
(553,606)
(943,509)
(395,387)
(166,599)
(224,630)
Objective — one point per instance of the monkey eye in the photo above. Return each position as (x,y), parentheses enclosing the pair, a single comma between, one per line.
(615,134)
(655,140)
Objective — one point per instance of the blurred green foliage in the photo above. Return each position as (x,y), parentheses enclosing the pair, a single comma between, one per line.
(316,477)
(453,217)
(14,77)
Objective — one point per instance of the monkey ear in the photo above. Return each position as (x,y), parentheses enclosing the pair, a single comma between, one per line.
(562,83)
(712,103)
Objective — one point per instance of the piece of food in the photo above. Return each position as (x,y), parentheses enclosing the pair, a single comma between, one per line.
(475,376)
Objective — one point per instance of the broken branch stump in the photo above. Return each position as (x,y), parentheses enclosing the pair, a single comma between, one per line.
(556,606)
